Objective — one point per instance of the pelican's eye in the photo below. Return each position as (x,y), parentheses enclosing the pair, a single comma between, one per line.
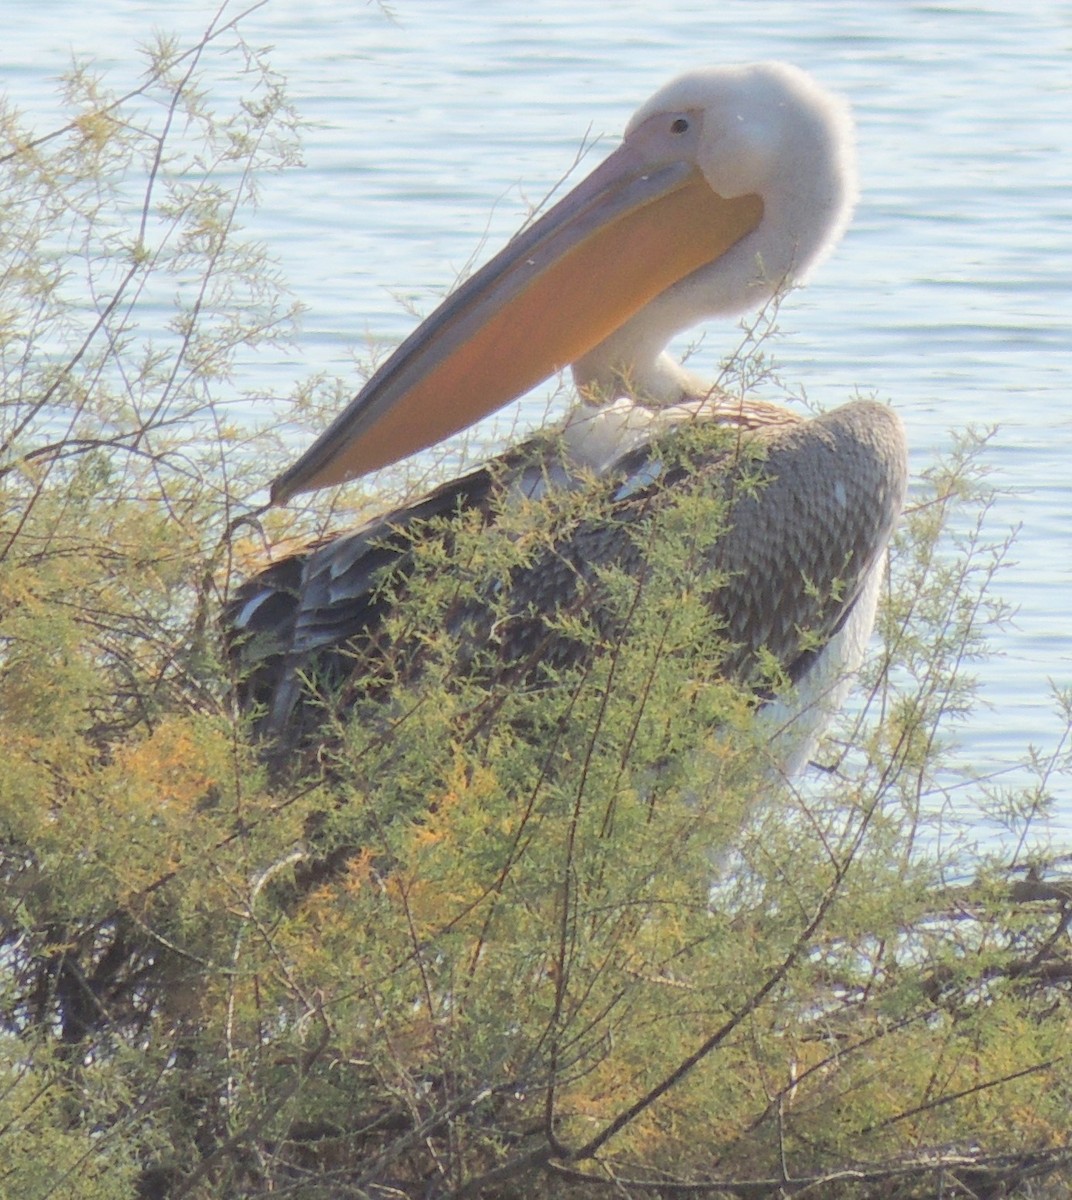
(680,125)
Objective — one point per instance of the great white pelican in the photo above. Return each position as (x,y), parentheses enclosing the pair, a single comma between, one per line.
(730,184)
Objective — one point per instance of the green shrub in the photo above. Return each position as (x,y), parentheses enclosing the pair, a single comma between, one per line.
(493,939)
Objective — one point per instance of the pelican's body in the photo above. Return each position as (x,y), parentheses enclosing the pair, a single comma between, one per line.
(729,184)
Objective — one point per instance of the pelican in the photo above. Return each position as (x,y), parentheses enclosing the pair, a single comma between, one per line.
(729,184)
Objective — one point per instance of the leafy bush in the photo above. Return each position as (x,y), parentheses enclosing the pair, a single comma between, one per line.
(492,939)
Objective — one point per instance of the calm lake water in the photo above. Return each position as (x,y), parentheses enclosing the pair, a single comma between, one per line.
(951,295)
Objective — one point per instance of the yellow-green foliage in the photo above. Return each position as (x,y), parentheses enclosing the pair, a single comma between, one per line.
(487,937)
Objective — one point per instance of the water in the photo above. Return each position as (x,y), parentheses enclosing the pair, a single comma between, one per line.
(950,295)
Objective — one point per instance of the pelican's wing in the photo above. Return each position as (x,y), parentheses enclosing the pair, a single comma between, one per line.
(806,557)
(802,545)
(317,612)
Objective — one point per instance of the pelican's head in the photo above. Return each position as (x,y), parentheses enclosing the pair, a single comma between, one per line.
(767,130)
(728,183)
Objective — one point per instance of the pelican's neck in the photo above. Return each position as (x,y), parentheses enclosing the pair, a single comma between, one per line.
(630,389)
(634,367)
(594,439)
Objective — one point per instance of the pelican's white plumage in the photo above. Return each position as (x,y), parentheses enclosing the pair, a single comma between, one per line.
(730,184)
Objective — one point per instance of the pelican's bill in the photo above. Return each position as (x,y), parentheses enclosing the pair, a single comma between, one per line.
(643,220)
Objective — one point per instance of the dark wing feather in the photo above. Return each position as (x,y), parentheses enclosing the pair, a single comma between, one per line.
(317,602)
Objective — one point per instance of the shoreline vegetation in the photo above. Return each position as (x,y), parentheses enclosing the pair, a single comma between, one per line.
(486,942)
